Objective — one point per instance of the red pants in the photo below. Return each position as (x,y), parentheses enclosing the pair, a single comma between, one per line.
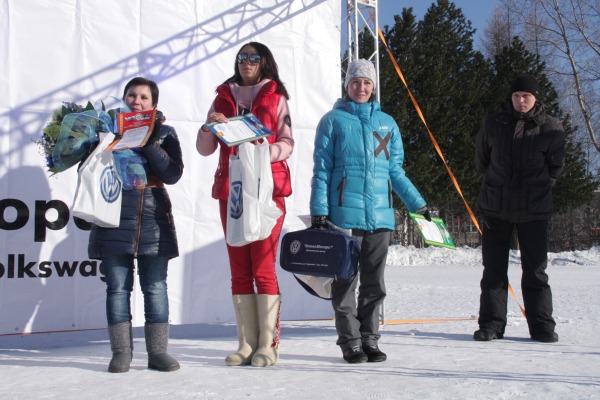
(254,263)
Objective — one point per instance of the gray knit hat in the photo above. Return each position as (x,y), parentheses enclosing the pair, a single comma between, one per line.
(361,69)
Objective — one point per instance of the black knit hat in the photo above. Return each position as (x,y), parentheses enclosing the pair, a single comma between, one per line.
(526,83)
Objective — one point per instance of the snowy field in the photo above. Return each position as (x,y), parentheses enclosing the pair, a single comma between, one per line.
(431,310)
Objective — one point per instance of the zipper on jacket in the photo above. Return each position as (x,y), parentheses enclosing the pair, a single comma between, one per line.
(341,187)
(390,197)
(138,229)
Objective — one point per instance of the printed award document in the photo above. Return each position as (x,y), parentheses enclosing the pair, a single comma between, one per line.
(240,129)
(435,232)
(134,128)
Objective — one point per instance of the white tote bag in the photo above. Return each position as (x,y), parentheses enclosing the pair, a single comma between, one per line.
(251,211)
(98,194)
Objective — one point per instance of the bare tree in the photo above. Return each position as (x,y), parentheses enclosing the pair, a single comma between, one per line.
(502,26)
(567,30)
(566,35)
(496,34)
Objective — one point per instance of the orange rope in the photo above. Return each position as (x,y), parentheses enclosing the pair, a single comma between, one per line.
(512,293)
(435,143)
(437,148)
(425,321)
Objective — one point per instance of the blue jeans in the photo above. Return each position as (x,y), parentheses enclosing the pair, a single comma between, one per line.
(152,273)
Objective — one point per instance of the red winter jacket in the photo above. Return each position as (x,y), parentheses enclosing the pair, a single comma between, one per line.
(264,107)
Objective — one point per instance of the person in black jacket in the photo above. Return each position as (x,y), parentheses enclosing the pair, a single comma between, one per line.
(520,152)
(146,234)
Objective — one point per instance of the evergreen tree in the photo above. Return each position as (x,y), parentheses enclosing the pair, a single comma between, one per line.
(576,185)
(456,87)
(401,39)
(447,77)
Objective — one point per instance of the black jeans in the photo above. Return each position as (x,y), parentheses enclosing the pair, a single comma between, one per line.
(537,295)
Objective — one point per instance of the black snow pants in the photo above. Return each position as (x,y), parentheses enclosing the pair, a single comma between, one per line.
(537,295)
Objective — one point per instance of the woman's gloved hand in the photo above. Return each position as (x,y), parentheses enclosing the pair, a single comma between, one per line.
(424,211)
(318,221)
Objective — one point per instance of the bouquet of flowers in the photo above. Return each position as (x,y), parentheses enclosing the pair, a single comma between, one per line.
(71,132)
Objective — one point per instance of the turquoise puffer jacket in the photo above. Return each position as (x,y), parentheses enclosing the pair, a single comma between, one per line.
(358,161)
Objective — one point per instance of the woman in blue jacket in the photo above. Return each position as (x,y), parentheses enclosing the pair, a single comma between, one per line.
(358,161)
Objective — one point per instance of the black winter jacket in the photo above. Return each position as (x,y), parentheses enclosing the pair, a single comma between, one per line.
(147,226)
(520,158)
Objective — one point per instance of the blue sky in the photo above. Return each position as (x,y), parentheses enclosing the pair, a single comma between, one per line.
(477,11)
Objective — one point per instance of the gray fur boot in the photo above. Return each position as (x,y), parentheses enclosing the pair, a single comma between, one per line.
(121,344)
(157,338)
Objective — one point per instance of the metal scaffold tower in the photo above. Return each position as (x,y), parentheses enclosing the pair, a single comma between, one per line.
(362,16)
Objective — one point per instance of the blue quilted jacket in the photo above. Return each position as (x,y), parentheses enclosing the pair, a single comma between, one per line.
(358,161)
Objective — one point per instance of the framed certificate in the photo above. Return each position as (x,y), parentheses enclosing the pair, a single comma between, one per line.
(240,129)
(434,232)
(134,129)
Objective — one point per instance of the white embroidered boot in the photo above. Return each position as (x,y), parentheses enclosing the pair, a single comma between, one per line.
(268,306)
(247,329)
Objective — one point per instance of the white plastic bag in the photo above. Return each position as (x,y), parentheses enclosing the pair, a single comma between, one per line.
(251,211)
(98,194)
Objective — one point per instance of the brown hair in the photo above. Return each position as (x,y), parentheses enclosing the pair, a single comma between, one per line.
(268,67)
(143,81)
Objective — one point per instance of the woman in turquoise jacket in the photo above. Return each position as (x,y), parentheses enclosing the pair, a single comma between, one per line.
(358,161)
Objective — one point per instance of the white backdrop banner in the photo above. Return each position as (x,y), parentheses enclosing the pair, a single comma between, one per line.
(76,50)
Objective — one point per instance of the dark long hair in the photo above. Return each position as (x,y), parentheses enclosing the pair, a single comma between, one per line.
(268,67)
(143,81)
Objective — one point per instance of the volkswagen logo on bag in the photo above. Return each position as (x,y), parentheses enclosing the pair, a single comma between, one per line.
(236,203)
(295,246)
(110,185)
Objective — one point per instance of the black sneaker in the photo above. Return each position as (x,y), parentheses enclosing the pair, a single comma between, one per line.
(545,336)
(374,354)
(486,335)
(355,355)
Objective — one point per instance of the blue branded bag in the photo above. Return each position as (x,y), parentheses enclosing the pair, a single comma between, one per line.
(316,257)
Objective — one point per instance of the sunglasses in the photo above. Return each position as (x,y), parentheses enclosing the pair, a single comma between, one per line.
(254,58)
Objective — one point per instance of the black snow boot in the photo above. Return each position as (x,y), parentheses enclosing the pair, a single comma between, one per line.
(373,353)
(353,353)
(486,335)
(545,336)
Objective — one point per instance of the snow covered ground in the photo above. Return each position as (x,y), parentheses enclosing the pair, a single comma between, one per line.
(431,310)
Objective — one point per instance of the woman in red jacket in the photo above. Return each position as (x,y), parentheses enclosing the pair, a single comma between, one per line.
(254,87)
